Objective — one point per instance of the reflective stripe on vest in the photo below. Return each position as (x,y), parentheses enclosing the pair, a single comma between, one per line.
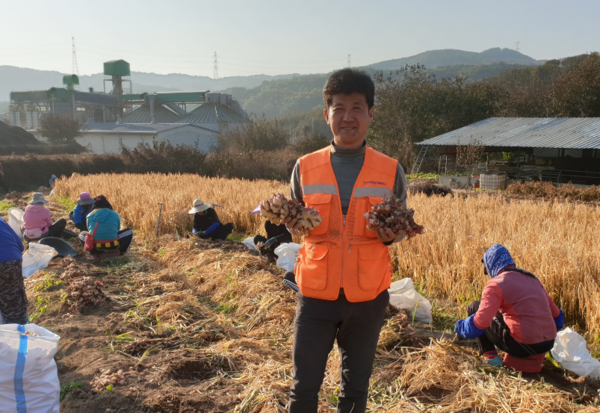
(342,252)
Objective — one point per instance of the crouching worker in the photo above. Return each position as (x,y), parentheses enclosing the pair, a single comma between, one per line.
(105,224)
(13,300)
(37,220)
(82,210)
(276,235)
(515,315)
(206,222)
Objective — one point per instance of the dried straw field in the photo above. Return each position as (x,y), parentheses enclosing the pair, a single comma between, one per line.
(202,326)
(557,241)
(136,198)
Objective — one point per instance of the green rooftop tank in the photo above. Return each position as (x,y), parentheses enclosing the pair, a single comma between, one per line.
(117,68)
(70,80)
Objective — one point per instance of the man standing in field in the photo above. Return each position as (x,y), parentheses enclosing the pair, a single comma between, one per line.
(343,268)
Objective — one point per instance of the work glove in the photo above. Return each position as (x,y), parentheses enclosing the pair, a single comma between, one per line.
(560,321)
(466,328)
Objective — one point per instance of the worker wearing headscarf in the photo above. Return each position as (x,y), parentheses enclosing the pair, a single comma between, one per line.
(515,314)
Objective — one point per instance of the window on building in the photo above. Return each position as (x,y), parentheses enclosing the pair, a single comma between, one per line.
(546,152)
(573,153)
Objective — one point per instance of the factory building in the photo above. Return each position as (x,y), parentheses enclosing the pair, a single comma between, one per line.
(180,117)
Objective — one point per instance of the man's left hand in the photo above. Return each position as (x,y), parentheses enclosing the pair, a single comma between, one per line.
(385,234)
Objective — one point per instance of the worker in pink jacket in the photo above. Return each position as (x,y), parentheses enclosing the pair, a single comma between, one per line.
(515,315)
(37,220)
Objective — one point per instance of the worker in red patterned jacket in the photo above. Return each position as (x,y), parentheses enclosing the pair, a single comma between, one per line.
(515,314)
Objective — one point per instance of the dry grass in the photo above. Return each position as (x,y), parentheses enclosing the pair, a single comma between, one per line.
(208,322)
(557,241)
(246,293)
(136,198)
(548,191)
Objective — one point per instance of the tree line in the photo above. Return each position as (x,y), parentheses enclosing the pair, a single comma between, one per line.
(413,104)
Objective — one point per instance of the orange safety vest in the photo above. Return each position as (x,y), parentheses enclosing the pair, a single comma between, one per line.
(341,252)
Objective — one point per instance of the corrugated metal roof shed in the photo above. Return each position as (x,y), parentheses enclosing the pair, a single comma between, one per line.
(213,113)
(142,115)
(565,133)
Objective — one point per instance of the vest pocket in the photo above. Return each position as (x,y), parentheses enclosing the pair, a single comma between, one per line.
(362,207)
(313,271)
(373,266)
(322,203)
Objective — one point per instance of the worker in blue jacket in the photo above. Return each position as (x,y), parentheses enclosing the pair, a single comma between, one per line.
(13,300)
(105,224)
(82,210)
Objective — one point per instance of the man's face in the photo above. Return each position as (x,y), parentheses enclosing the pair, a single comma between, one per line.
(349,117)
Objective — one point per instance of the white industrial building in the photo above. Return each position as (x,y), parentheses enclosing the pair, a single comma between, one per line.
(104,138)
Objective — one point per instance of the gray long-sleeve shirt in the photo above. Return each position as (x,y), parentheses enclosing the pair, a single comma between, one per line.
(347,164)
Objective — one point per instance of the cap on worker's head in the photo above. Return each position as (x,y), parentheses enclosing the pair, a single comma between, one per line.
(496,258)
(85,199)
(199,206)
(38,198)
(101,202)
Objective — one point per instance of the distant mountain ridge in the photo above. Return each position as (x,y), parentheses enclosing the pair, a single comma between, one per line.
(452,57)
(17,78)
(14,78)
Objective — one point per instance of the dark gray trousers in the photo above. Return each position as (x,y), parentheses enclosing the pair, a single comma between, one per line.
(318,323)
(13,300)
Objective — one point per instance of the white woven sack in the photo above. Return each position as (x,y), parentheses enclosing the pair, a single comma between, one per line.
(404,296)
(28,375)
(36,258)
(287,254)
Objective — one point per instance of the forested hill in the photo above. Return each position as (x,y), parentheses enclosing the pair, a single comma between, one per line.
(452,57)
(278,98)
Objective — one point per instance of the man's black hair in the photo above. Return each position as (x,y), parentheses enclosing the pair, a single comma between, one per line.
(348,81)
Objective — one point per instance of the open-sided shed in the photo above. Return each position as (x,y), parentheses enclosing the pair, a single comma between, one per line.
(570,145)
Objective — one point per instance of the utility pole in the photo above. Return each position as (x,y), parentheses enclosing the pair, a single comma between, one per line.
(517,45)
(216,69)
(349,61)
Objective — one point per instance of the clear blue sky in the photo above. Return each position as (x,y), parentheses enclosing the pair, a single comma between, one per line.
(278,37)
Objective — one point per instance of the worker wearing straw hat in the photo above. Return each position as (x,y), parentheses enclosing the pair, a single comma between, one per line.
(343,269)
(206,221)
(37,220)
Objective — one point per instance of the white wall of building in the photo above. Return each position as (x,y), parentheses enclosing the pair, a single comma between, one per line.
(101,143)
